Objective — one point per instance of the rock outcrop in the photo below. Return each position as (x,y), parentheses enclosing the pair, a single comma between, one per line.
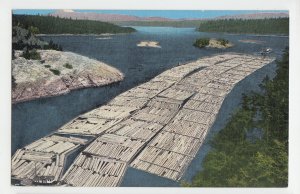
(57,73)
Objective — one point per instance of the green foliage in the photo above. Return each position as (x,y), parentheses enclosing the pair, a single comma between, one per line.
(23,38)
(47,66)
(223,41)
(253,26)
(33,30)
(55,25)
(31,54)
(234,160)
(177,24)
(201,42)
(68,66)
(274,107)
(55,71)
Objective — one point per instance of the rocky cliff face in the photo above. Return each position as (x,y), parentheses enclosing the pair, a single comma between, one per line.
(58,73)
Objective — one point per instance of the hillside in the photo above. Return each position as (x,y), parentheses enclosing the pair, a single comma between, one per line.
(255,16)
(55,25)
(251,26)
(131,20)
(103,17)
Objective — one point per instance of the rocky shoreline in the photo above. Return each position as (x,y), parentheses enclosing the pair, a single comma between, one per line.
(58,73)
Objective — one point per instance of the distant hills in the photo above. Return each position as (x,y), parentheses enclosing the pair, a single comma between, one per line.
(130,18)
(255,16)
(104,17)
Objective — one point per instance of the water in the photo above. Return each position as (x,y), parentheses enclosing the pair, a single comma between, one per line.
(35,119)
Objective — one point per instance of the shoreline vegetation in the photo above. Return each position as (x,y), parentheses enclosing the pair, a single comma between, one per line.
(219,43)
(55,25)
(175,24)
(252,149)
(267,26)
(279,26)
(100,35)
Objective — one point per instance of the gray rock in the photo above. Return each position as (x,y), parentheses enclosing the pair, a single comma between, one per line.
(33,79)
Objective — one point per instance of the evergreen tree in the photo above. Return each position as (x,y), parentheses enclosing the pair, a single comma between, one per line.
(253,26)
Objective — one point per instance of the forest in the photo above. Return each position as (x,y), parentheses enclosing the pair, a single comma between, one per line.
(54,25)
(176,24)
(252,149)
(249,26)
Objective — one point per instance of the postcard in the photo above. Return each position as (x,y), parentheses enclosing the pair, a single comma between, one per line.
(150,98)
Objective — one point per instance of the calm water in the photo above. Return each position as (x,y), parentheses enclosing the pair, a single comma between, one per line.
(35,119)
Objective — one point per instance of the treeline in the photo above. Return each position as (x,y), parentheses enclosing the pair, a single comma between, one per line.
(176,24)
(55,25)
(252,149)
(249,26)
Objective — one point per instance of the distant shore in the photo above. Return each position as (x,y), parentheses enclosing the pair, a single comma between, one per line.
(105,34)
(264,35)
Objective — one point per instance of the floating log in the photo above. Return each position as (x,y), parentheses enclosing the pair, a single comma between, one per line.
(71,139)
(95,171)
(129,101)
(175,93)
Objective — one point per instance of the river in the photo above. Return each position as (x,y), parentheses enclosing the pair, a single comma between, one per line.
(35,119)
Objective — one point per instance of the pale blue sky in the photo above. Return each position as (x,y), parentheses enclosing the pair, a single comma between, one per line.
(159,13)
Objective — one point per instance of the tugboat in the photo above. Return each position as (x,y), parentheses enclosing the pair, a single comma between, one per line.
(265,51)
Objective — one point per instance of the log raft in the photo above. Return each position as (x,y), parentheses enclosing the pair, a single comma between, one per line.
(157,126)
(42,162)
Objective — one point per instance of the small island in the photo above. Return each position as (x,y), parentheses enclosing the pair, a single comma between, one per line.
(151,44)
(212,43)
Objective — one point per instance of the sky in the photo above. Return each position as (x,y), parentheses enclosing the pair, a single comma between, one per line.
(174,14)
